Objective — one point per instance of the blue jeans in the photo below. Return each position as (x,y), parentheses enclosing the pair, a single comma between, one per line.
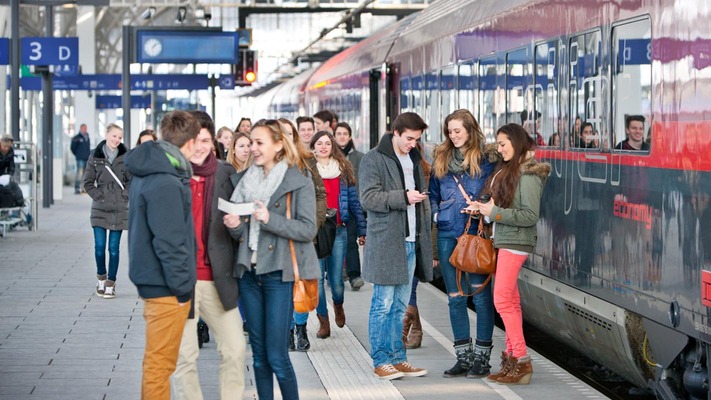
(387,308)
(334,265)
(268,304)
(81,165)
(100,251)
(483,301)
(413,293)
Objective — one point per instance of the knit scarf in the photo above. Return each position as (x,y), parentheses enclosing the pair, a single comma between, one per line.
(206,170)
(330,170)
(176,158)
(349,147)
(110,154)
(455,163)
(254,185)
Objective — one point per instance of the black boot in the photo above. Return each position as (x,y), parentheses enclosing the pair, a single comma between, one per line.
(203,334)
(463,348)
(291,340)
(302,339)
(480,362)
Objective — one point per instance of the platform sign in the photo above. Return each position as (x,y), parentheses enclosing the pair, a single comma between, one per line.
(108,102)
(169,82)
(634,52)
(187,46)
(4,51)
(66,70)
(113,82)
(49,51)
(226,82)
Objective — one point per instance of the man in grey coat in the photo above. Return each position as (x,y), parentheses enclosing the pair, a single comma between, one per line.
(399,239)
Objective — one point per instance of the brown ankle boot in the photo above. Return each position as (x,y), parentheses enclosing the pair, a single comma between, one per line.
(406,324)
(504,367)
(520,374)
(414,339)
(340,315)
(324,329)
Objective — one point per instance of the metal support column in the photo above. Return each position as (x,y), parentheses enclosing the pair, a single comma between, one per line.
(213,84)
(126,58)
(15,69)
(47,121)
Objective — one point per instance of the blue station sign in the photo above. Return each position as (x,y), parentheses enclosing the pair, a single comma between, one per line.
(49,51)
(109,102)
(187,47)
(4,51)
(113,82)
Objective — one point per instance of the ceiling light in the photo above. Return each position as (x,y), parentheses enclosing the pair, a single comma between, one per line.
(148,13)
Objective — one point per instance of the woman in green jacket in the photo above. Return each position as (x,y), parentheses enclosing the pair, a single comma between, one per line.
(516,187)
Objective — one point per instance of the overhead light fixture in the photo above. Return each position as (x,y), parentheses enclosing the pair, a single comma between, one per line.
(182,13)
(148,13)
(199,13)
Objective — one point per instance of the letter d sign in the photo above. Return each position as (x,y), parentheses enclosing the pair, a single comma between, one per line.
(64,53)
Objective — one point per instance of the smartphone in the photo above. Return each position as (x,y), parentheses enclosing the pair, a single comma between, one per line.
(425,193)
(484,198)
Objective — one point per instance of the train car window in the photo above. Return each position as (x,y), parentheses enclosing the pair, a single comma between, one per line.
(418,86)
(447,91)
(488,116)
(465,86)
(520,92)
(587,102)
(431,114)
(632,86)
(546,98)
(405,93)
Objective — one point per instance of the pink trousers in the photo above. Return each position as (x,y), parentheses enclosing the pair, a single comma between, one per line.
(508,301)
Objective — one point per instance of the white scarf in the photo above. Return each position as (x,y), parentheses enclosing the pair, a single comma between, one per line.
(254,185)
(330,170)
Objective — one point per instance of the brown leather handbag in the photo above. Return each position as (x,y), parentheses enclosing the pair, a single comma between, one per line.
(305,290)
(474,254)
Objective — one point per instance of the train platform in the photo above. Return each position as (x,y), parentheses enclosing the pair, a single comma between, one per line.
(60,341)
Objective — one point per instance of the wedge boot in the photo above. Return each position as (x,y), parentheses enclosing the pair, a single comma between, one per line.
(324,329)
(504,367)
(463,349)
(414,338)
(520,373)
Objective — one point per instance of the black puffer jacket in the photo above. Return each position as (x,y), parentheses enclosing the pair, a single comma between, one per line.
(109,210)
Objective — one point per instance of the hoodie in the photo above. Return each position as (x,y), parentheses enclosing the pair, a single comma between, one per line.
(161,237)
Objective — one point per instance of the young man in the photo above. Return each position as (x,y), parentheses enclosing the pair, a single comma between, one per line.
(634,128)
(161,244)
(306,127)
(81,148)
(216,290)
(323,120)
(399,239)
(343,135)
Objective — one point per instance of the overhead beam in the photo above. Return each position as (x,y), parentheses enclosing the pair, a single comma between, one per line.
(245,12)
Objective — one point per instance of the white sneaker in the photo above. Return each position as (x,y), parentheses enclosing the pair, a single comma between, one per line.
(101,287)
(110,292)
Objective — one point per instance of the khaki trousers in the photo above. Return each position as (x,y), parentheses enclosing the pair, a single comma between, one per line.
(226,328)
(165,319)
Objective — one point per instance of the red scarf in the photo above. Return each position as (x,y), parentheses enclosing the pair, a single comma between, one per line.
(207,171)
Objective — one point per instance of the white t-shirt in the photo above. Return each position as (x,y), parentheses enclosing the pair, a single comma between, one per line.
(409,173)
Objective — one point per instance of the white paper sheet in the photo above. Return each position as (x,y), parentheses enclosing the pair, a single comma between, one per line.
(235,208)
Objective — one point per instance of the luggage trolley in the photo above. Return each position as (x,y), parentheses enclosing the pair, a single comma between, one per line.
(26,177)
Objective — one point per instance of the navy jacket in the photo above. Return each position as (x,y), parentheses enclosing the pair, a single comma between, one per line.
(161,237)
(80,147)
(447,201)
(348,205)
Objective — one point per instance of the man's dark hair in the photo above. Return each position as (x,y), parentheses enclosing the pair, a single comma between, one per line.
(205,121)
(325,116)
(301,120)
(345,126)
(630,118)
(179,127)
(525,114)
(408,120)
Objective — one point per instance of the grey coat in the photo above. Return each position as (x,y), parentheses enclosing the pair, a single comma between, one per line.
(383,197)
(273,253)
(109,208)
(221,247)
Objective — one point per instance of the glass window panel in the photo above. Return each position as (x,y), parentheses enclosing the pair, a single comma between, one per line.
(546,94)
(465,85)
(405,93)
(447,91)
(632,86)
(488,118)
(586,90)
(519,93)
(431,114)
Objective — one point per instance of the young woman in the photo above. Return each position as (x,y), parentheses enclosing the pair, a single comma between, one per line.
(244,125)
(516,187)
(339,180)
(264,263)
(239,150)
(299,340)
(106,180)
(461,165)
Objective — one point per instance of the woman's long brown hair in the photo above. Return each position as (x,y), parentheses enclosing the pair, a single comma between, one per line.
(472,149)
(343,164)
(507,174)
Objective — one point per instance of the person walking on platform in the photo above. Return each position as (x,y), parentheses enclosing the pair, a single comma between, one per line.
(274,182)
(339,180)
(107,183)
(461,166)
(344,139)
(516,187)
(399,242)
(161,244)
(216,290)
(81,148)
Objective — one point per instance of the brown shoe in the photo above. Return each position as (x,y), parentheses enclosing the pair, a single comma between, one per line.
(504,367)
(324,329)
(414,339)
(520,374)
(340,315)
(387,371)
(409,370)
(406,324)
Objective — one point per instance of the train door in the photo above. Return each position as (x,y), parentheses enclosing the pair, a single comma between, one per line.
(383,101)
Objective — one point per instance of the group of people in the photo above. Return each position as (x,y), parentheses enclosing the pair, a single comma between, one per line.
(190,260)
